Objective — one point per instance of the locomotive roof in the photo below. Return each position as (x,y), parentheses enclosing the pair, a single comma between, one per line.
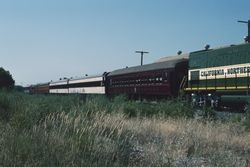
(160,64)
(220,47)
(170,58)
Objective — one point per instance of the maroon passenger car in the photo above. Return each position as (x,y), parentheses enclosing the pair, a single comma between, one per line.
(40,88)
(160,79)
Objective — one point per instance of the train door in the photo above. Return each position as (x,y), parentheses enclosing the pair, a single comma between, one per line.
(181,77)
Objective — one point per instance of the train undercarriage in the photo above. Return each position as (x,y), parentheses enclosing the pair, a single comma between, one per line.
(220,102)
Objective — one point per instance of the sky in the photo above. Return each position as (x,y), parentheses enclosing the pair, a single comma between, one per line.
(44,40)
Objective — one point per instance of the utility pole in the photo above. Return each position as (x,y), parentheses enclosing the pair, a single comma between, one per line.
(141,52)
(247,39)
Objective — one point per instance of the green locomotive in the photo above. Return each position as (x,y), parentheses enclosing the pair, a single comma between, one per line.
(220,77)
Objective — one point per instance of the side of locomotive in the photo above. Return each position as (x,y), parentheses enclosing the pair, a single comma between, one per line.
(220,77)
(161,79)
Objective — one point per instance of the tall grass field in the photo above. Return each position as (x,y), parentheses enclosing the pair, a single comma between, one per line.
(46,130)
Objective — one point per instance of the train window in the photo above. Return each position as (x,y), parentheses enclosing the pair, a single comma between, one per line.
(166,74)
(137,82)
(195,75)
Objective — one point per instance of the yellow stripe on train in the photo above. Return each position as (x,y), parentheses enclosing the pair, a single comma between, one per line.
(218,88)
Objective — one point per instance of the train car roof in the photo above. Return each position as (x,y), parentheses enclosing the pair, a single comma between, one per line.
(59,82)
(160,64)
(87,77)
(41,84)
(65,81)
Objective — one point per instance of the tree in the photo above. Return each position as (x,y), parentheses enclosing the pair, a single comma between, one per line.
(6,80)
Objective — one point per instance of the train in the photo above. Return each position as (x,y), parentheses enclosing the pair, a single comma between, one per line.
(218,77)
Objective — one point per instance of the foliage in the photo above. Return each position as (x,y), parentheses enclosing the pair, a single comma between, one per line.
(24,111)
(174,108)
(6,80)
(52,130)
(19,88)
(247,121)
(5,107)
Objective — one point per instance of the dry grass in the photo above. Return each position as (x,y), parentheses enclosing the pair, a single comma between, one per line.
(114,140)
(76,135)
(191,142)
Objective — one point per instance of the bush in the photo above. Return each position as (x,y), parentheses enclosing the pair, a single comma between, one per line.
(6,80)
(5,106)
(175,108)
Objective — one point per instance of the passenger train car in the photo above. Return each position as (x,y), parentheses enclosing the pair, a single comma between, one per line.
(87,85)
(42,88)
(159,79)
(59,87)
